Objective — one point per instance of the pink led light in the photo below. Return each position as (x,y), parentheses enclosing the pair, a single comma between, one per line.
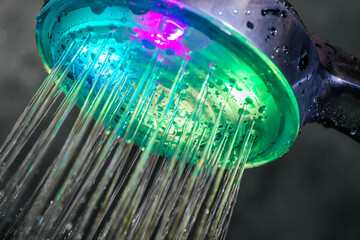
(164,32)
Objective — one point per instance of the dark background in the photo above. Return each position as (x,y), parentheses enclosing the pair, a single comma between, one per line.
(313,192)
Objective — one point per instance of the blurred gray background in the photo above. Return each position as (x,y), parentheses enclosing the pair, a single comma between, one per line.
(313,192)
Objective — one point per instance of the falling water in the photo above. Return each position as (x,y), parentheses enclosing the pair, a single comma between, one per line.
(140,161)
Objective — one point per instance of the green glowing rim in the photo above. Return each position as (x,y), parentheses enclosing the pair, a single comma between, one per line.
(286,86)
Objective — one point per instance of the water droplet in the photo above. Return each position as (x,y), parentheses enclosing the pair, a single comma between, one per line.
(274,12)
(235,11)
(137,11)
(247,12)
(232,81)
(238,87)
(262,109)
(289,7)
(303,60)
(148,44)
(225,88)
(246,112)
(248,100)
(273,31)
(218,81)
(250,25)
(97,7)
(170,52)
(123,20)
(68,226)
(285,49)
(122,36)
(195,40)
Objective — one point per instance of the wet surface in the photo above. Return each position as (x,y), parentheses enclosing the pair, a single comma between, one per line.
(311,193)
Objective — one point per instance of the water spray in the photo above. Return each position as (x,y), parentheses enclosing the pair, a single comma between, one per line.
(173,101)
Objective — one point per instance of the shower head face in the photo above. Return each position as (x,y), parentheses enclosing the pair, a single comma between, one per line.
(188,57)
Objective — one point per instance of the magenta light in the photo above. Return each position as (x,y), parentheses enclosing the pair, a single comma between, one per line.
(164,32)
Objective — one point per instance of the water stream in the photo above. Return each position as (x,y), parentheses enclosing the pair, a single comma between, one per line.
(140,161)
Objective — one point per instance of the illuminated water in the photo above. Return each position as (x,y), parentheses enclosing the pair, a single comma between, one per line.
(101,184)
(166,120)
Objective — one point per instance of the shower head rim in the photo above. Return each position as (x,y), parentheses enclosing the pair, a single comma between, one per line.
(275,154)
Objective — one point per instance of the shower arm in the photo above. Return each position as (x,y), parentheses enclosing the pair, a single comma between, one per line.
(325,80)
(338,105)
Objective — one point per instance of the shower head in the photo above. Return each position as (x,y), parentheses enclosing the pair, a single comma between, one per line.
(253,59)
